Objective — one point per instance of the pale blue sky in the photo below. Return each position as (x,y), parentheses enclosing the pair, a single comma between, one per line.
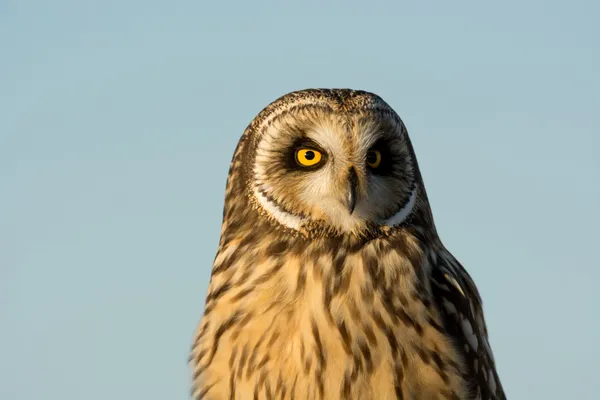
(118,120)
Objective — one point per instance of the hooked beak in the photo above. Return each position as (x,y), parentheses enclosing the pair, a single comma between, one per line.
(351,195)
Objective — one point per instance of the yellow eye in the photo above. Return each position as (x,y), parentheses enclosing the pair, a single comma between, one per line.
(373,158)
(308,157)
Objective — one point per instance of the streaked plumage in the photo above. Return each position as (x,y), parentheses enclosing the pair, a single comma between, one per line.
(330,281)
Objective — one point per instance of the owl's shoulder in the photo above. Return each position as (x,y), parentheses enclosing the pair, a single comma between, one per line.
(459,303)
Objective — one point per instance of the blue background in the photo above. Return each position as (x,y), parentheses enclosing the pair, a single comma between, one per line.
(118,120)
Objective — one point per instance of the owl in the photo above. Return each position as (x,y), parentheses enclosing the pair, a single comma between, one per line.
(330,280)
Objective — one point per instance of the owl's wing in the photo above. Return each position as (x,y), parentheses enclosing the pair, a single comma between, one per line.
(460,305)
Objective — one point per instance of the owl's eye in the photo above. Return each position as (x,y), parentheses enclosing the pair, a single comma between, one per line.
(373,158)
(308,157)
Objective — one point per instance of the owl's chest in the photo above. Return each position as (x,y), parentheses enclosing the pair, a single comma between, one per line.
(304,355)
(345,352)
(326,333)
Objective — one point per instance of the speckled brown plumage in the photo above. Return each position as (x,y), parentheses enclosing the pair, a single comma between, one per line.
(306,302)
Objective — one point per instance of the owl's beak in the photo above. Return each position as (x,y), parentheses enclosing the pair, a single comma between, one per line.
(352,185)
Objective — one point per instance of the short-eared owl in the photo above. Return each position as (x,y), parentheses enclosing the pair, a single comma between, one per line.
(330,280)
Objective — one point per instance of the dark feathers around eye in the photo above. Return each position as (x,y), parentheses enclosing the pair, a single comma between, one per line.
(388,160)
(303,143)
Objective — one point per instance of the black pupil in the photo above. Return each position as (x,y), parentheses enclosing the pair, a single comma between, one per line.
(309,155)
(371,157)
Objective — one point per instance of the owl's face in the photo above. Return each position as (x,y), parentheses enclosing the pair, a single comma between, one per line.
(317,167)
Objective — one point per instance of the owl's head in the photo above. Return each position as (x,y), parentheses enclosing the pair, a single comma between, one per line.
(337,161)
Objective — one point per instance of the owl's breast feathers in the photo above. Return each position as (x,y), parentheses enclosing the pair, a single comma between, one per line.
(329,319)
